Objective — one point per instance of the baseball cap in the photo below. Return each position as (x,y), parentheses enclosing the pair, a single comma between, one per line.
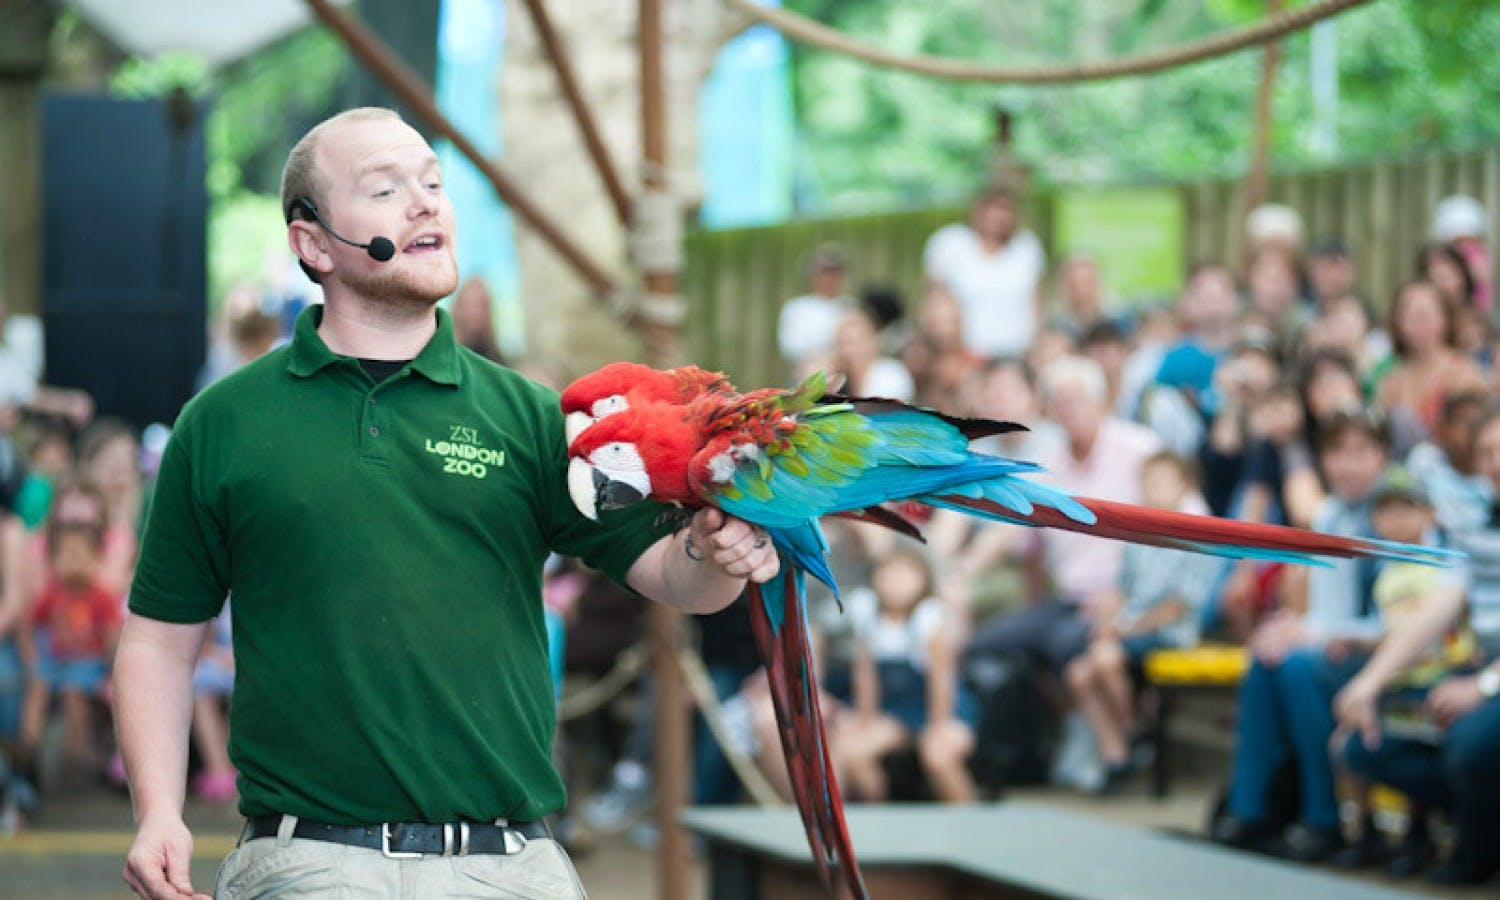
(1398,483)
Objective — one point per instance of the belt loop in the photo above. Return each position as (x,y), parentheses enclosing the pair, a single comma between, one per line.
(285,829)
(447,838)
(244,833)
(463,838)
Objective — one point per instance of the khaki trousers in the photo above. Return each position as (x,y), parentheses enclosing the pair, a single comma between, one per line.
(285,867)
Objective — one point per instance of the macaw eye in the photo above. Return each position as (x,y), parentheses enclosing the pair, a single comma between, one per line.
(610,405)
(617,455)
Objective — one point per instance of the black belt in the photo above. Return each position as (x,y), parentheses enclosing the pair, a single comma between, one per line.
(409,839)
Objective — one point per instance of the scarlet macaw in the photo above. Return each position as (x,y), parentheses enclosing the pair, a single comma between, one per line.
(781,459)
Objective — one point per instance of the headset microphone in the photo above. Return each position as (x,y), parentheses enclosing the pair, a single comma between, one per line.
(381,249)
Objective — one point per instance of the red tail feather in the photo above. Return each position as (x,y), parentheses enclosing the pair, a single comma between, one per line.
(1165,528)
(794,695)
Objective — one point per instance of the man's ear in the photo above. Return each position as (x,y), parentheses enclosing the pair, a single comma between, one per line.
(310,245)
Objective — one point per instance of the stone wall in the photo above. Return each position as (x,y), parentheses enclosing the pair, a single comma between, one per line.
(545,152)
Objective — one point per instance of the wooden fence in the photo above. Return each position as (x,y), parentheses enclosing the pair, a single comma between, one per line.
(737,280)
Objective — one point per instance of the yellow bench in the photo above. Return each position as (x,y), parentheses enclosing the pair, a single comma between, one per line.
(1206,666)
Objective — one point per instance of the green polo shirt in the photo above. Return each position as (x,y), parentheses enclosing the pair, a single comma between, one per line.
(384,545)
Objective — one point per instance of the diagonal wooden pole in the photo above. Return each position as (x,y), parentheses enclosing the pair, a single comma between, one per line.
(598,152)
(385,65)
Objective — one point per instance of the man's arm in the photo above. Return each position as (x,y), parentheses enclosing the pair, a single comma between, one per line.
(703,568)
(154,713)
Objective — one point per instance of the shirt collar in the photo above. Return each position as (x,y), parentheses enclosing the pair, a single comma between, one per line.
(438,361)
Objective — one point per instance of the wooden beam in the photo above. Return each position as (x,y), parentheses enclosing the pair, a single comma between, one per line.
(385,65)
(598,152)
(673,761)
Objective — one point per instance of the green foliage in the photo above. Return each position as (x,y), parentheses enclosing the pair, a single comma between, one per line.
(257,109)
(1413,76)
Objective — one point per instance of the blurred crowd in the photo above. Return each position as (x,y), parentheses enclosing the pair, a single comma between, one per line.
(1279,393)
(994,654)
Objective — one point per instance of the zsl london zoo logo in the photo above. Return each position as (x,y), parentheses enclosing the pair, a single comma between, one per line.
(463,454)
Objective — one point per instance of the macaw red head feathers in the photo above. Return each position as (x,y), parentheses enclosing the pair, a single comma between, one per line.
(621,385)
(624,458)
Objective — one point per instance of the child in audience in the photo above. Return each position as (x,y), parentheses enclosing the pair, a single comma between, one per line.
(1159,604)
(73,626)
(1403,512)
(906,685)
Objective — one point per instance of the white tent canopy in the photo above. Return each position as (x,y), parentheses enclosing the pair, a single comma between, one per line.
(221,31)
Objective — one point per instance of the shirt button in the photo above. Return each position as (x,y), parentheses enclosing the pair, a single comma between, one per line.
(374,400)
(374,431)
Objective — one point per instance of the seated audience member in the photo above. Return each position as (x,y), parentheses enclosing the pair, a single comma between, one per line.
(936,355)
(1331,273)
(1461,770)
(110,456)
(1160,603)
(473,313)
(1344,326)
(1402,513)
(1445,467)
(1285,698)
(1082,296)
(1239,386)
(857,356)
(1427,366)
(1105,343)
(807,323)
(906,685)
(1273,291)
(1443,267)
(994,268)
(973,552)
(73,625)
(1209,307)
(1101,457)
(1461,223)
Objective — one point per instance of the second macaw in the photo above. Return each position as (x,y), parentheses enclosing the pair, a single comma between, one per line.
(782,459)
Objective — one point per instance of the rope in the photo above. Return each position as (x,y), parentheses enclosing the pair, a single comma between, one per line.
(695,674)
(628,666)
(800,28)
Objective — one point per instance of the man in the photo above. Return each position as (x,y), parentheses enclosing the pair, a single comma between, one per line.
(805,330)
(994,268)
(1299,658)
(380,502)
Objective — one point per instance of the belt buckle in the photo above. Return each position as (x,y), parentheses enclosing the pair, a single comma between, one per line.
(385,845)
(515,841)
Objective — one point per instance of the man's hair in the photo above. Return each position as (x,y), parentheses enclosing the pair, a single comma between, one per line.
(300,177)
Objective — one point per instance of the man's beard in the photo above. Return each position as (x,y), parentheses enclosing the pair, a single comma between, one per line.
(396,287)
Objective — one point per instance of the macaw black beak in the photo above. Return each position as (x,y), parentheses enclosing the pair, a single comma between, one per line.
(592,490)
(610,494)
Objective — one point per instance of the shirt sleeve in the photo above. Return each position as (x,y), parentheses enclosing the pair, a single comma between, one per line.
(182,574)
(612,544)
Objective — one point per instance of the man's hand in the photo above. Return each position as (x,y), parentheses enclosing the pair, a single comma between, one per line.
(1454,699)
(1354,708)
(739,549)
(157,866)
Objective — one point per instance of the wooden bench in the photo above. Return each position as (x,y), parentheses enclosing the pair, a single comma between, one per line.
(1012,849)
(1207,667)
